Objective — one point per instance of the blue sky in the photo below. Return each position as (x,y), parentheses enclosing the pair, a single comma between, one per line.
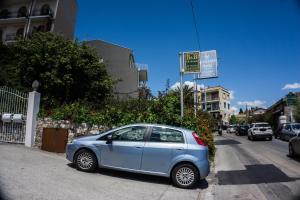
(257,41)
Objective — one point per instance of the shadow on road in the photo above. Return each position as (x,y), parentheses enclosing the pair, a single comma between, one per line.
(203,184)
(226,142)
(254,174)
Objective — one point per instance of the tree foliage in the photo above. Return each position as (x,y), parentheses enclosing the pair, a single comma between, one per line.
(162,110)
(68,71)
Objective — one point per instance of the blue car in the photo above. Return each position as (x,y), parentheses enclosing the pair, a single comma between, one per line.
(152,149)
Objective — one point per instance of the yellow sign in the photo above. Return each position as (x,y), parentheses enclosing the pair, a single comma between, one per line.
(191,62)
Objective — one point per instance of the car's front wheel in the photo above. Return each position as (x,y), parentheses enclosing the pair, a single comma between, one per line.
(185,176)
(85,160)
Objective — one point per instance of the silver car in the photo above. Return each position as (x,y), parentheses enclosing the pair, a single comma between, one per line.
(144,148)
(294,146)
(289,131)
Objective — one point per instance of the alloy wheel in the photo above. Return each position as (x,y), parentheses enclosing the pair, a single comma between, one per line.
(185,176)
(85,161)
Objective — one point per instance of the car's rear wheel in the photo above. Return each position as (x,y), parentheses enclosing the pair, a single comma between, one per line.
(291,150)
(85,160)
(185,176)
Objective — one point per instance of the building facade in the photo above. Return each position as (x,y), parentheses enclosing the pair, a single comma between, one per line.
(284,107)
(217,102)
(22,18)
(121,66)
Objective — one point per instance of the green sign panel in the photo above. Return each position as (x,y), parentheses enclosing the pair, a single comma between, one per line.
(191,62)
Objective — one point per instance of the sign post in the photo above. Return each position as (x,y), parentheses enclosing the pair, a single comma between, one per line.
(189,64)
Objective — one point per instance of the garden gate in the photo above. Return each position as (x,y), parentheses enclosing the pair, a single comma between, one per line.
(13,110)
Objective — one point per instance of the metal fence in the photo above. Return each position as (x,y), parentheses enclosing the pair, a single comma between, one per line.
(13,109)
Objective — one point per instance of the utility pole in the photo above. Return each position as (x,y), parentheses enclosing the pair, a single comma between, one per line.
(195,96)
(181,86)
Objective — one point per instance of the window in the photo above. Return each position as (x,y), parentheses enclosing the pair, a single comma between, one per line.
(20,32)
(45,10)
(22,12)
(135,133)
(228,106)
(224,105)
(4,14)
(166,135)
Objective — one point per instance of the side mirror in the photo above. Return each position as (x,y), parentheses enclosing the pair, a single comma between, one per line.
(109,139)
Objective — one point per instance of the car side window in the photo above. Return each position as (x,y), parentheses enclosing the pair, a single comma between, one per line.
(160,134)
(135,133)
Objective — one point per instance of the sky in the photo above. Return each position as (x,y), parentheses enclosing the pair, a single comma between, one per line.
(257,41)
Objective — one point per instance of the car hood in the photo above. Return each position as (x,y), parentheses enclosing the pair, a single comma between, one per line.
(87,137)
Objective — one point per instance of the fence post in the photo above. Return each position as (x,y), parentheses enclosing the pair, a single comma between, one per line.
(31,121)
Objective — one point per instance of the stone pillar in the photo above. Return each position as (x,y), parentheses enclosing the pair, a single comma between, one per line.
(31,121)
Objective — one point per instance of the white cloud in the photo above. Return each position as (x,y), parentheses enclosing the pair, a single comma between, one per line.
(234,110)
(231,92)
(255,103)
(190,84)
(291,86)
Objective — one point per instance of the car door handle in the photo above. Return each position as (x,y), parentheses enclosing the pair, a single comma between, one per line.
(179,149)
(138,147)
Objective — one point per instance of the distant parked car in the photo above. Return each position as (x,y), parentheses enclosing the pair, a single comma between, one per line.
(231,129)
(159,150)
(260,131)
(289,131)
(294,146)
(242,130)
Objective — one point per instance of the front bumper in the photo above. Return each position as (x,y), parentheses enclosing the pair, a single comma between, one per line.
(70,151)
(262,136)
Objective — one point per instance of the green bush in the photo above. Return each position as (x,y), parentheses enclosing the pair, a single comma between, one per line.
(164,110)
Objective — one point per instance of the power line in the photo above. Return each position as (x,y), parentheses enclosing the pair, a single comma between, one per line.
(195,23)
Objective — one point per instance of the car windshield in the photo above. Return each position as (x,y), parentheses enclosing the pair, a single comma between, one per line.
(296,126)
(262,125)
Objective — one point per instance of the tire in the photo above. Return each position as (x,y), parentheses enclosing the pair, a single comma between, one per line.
(86,161)
(249,137)
(185,176)
(270,138)
(291,151)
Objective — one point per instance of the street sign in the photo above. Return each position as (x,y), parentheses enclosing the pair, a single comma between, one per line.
(209,65)
(191,62)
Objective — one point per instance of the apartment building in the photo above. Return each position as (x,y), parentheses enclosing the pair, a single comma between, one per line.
(22,18)
(217,102)
(121,66)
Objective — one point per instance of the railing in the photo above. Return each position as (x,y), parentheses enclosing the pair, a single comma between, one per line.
(14,15)
(10,37)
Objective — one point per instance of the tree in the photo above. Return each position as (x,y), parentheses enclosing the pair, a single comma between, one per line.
(241,111)
(233,120)
(68,71)
(297,110)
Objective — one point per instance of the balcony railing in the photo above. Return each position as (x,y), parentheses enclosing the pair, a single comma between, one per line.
(10,37)
(35,13)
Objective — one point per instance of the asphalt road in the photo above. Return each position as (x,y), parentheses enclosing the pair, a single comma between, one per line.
(243,170)
(254,170)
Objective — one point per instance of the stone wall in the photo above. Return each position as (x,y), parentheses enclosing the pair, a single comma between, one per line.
(74,129)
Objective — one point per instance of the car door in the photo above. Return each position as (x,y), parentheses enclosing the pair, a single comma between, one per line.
(162,146)
(126,148)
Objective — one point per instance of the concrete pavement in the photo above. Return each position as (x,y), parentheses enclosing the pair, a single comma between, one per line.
(28,174)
